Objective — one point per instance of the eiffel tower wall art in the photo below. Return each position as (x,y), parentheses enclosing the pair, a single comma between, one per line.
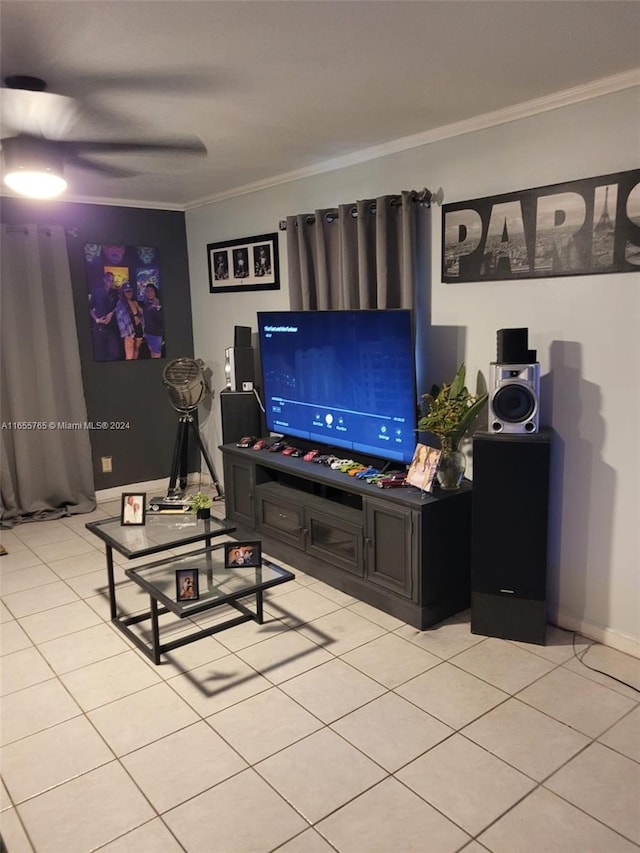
(583,227)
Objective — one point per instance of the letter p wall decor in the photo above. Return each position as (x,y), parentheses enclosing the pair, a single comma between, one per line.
(579,228)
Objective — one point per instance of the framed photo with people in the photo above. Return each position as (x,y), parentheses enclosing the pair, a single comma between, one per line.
(424,466)
(133,509)
(237,554)
(125,303)
(187,586)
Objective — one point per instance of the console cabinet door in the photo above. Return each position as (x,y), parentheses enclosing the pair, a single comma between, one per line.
(240,486)
(280,518)
(337,541)
(391,558)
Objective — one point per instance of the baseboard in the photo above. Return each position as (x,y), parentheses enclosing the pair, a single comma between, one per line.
(607,636)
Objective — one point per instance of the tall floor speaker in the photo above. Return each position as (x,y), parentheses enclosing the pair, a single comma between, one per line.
(510,511)
(240,415)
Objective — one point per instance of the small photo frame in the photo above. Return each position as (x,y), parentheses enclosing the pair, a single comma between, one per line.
(423,468)
(187,587)
(134,509)
(238,554)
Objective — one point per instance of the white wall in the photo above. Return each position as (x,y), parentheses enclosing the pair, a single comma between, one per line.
(585,329)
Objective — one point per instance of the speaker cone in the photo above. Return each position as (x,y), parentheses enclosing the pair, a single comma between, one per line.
(514,403)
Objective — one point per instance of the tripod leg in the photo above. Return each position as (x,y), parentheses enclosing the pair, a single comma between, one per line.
(207,459)
(177,456)
(184,453)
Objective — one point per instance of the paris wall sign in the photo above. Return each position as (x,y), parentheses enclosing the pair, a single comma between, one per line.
(583,227)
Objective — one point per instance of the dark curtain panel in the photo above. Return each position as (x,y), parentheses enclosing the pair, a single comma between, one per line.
(360,255)
(46,470)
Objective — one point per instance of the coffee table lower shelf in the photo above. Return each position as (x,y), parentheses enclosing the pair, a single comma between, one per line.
(218,586)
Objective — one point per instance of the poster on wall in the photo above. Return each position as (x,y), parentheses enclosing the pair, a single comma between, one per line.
(582,227)
(125,305)
(250,263)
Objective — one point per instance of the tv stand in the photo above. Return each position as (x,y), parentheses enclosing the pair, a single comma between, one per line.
(401,550)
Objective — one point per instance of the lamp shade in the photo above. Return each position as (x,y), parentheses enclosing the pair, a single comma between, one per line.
(33,167)
(186,383)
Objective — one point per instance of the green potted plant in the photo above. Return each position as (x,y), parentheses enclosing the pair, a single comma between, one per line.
(201,504)
(447,413)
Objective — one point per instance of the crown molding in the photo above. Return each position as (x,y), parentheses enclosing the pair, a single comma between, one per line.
(566,97)
(107,202)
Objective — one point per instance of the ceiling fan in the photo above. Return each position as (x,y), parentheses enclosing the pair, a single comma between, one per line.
(35,127)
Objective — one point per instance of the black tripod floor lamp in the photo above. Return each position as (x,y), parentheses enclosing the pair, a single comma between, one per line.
(187,386)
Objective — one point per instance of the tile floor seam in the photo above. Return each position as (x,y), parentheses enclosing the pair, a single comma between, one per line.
(473,836)
(313,823)
(599,820)
(24,829)
(135,829)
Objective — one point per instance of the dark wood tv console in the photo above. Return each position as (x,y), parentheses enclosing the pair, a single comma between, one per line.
(399,550)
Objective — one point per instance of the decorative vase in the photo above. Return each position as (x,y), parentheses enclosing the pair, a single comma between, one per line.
(452,466)
(205,512)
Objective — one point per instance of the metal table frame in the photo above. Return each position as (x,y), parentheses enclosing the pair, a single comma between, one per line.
(160,604)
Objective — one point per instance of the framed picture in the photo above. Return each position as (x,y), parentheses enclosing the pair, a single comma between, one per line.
(125,302)
(242,554)
(187,588)
(250,263)
(133,509)
(423,468)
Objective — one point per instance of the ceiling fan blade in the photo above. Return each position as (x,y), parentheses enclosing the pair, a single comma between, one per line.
(37,113)
(188,145)
(151,82)
(105,169)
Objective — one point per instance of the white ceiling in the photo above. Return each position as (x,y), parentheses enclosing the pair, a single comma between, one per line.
(274,87)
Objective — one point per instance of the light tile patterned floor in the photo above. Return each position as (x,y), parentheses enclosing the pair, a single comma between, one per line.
(332,727)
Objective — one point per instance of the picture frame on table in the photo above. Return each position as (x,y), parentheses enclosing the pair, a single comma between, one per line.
(239,554)
(248,263)
(133,509)
(424,467)
(187,585)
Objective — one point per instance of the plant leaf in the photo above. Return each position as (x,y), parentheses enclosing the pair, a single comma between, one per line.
(470,415)
(457,386)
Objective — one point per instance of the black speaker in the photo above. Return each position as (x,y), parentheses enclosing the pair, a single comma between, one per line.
(240,415)
(239,367)
(513,347)
(242,336)
(509,531)
(514,398)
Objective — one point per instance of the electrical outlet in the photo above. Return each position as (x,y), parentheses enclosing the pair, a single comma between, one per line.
(106,464)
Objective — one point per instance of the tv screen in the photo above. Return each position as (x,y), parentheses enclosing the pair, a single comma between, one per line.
(341,378)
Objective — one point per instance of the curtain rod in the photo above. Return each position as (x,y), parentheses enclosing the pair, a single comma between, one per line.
(425,198)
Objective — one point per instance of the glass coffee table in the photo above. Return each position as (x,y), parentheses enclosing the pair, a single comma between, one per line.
(159,533)
(215,584)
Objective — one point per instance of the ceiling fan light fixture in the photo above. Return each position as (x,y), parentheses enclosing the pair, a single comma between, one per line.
(33,167)
(35,184)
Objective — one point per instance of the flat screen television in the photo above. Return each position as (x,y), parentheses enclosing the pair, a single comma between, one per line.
(341,378)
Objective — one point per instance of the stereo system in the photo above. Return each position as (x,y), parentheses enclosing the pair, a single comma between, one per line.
(514,386)
(239,361)
(239,405)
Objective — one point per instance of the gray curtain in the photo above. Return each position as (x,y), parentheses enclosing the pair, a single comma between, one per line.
(46,471)
(360,255)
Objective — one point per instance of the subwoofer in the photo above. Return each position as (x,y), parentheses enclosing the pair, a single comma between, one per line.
(514,398)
